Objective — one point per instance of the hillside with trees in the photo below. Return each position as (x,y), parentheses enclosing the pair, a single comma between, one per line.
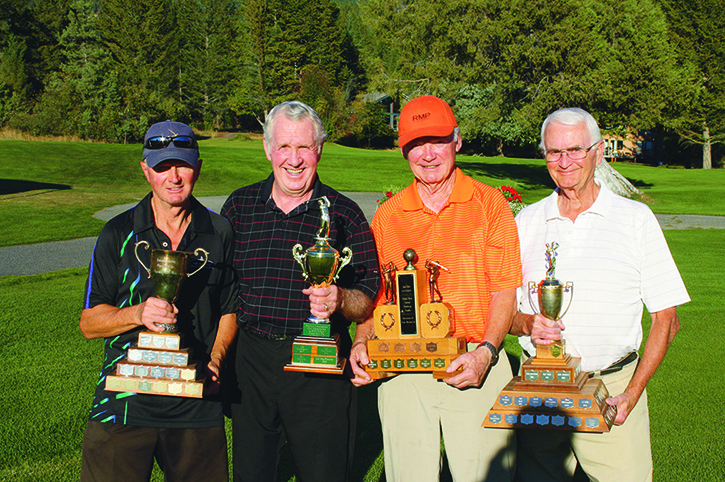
(106,69)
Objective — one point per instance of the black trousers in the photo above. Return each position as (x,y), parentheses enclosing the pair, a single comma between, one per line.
(314,412)
(126,453)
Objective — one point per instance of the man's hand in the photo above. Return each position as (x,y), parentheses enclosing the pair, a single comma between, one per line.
(213,371)
(625,403)
(474,365)
(155,310)
(358,359)
(323,301)
(545,331)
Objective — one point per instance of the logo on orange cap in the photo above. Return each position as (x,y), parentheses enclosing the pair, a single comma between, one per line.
(425,116)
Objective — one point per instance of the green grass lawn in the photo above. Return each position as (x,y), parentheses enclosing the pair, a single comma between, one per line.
(49,191)
(49,371)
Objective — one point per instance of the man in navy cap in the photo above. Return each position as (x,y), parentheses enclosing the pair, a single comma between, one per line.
(127,431)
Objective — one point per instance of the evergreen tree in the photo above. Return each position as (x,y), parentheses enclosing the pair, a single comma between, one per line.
(506,65)
(286,44)
(698,35)
(141,40)
(82,98)
(206,64)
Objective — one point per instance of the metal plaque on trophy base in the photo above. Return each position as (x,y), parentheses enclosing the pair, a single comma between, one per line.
(584,410)
(157,366)
(552,391)
(412,328)
(316,350)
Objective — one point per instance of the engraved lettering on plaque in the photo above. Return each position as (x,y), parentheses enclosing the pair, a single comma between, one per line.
(408,304)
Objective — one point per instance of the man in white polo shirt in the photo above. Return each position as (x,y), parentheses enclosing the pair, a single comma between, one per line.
(614,252)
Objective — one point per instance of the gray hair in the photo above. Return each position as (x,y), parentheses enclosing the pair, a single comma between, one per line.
(295,111)
(572,116)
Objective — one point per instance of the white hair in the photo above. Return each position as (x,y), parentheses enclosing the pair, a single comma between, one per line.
(295,111)
(572,116)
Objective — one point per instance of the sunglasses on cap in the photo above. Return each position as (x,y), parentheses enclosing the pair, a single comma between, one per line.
(162,142)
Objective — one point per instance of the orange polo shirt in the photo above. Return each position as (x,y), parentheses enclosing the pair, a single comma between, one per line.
(473,235)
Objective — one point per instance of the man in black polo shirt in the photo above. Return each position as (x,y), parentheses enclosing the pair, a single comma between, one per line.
(127,431)
(316,413)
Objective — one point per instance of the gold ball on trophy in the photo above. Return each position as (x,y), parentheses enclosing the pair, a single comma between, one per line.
(410,256)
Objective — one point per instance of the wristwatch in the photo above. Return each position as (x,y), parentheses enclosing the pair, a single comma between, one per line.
(492,349)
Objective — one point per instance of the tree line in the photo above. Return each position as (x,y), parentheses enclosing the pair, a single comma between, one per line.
(106,69)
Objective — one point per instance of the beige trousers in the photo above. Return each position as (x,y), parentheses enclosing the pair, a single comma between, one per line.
(621,455)
(415,410)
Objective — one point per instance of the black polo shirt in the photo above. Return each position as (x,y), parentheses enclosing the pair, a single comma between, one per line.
(271,281)
(116,278)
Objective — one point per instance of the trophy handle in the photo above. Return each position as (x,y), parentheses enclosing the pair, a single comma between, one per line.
(206,259)
(135,250)
(344,261)
(299,256)
(568,288)
(532,288)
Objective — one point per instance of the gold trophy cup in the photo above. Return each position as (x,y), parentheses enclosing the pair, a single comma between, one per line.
(552,392)
(168,270)
(157,364)
(550,296)
(316,350)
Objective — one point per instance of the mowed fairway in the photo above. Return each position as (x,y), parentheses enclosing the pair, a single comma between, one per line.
(49,191)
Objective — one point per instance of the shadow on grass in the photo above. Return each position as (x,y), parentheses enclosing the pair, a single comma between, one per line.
(15,186)
(639,184)
(525,174)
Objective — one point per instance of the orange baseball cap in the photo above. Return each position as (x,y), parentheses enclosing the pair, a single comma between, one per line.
(425,116)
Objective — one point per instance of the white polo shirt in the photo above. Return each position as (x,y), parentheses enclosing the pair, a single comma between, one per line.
(617,258)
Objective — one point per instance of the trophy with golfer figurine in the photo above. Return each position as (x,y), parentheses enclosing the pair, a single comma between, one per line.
(413,326)
(552,391)
(317,350)
(157,365)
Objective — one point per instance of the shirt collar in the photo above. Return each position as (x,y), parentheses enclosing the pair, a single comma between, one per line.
(143,217)
(462,192)
(265,195)
(601,206)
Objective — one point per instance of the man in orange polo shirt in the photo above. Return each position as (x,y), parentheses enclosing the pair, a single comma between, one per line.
(466,226)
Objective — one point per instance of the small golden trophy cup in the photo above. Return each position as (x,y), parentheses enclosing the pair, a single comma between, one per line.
(168,271)
(316,350)
(550,293)
(552,391)
(157,364)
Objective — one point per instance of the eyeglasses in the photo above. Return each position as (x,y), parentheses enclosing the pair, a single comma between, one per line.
(161,142)
(575,153)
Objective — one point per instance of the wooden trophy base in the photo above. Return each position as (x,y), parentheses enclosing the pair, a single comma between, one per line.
(392,357)
(582,411)
(152,368)
(553,393)
(315,351)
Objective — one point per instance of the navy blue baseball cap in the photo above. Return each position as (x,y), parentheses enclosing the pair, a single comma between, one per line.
(170,140)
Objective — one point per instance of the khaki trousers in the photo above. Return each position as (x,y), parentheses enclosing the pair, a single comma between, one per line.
(415,410)
(621,455)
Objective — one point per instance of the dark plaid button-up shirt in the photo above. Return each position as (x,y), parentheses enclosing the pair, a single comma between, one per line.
(271,281)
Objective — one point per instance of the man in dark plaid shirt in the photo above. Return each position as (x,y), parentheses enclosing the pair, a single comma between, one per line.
(315,413)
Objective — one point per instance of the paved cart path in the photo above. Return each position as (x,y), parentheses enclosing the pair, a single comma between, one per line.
(45,257)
